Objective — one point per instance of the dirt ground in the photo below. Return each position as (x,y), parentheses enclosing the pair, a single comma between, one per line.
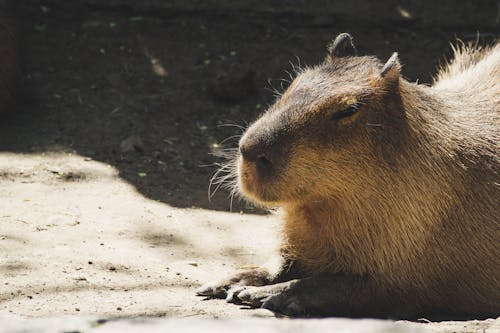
(105,162)
(77,239)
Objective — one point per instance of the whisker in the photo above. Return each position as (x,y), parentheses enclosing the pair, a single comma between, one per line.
(230,138)
(297,68)
(276,93)
(232,125)
(231,202)
(290,75)
(298,63)
(222,179)
(214,177)
(272,89)
(219,184)
(226,174)
(206,165)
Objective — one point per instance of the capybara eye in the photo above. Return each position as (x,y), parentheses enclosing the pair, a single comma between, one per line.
(346,112)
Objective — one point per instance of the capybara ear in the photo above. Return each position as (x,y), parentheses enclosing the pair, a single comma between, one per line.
(391,70)
(342,46)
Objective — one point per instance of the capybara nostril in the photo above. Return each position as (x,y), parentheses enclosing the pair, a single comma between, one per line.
(256,154)
(264,165)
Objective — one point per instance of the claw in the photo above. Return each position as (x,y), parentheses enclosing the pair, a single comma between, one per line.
(233,295)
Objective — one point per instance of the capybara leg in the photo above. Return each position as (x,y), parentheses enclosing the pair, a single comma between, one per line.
(219,289)
(256,296)
(274,272)
(326,294)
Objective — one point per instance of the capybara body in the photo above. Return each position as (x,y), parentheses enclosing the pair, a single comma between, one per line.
(10,71)
(389,189)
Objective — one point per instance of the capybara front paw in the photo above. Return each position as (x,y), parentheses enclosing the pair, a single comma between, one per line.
(227,287)
(285,304)
(253,296)
(256,296)
(233,294)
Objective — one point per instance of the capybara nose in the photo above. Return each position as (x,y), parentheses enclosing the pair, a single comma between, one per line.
(257,153)
(251,151)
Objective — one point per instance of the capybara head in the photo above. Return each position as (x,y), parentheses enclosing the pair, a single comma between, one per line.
(319,138)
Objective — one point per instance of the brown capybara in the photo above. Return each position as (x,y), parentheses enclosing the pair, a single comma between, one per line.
(389,189)
(10,71)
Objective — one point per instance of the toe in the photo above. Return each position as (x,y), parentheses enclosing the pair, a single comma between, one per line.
(233,294)
(288,306)
(293,309)
(211,290)
(204,290)
(254,296)
(271,303)
(244,296)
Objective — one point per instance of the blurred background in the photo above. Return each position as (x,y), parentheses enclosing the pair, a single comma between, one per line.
(154,87)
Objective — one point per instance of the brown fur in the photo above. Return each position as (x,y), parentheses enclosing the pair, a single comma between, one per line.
(10,71)
(405,191)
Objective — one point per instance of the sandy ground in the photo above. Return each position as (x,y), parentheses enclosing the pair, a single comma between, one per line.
(76,239)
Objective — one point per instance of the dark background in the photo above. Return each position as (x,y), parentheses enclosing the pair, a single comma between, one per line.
(151,87)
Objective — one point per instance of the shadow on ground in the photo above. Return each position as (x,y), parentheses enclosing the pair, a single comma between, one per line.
(154,93)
